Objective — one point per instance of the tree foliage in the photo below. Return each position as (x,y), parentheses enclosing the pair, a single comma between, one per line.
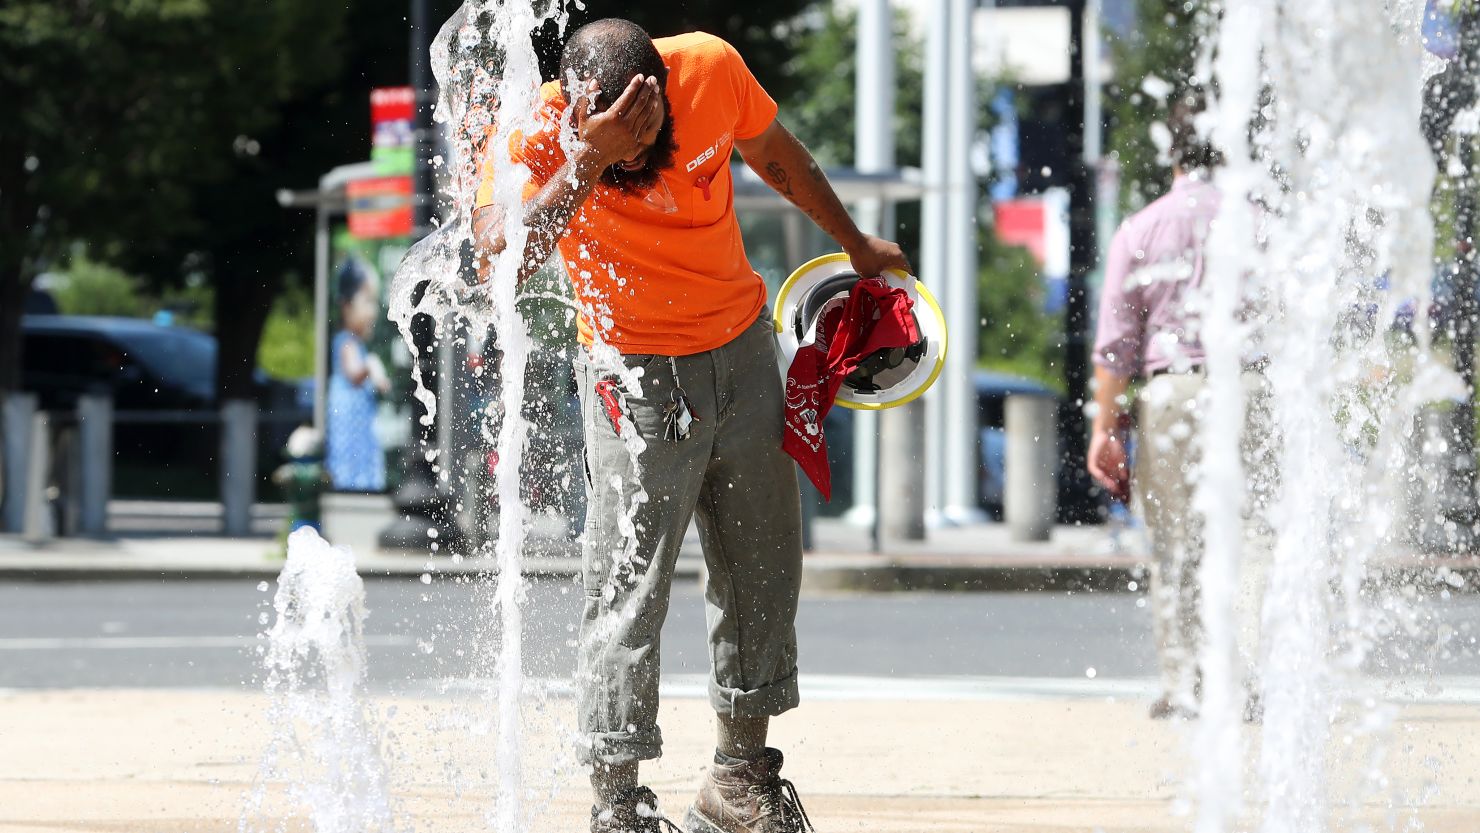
(132,108)
(87,287)
(157,133)
(1156,57)
(1016,336)
(820,109)
(766,32)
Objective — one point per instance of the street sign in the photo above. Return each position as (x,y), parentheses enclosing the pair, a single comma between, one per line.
(380,207)
(393,130)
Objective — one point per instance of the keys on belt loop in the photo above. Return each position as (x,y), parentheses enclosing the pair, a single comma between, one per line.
(678,416)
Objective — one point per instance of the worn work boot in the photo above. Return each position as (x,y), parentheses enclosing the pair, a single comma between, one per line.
(633,810)
(750,797)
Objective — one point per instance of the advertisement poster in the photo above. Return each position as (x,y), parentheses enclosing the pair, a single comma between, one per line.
(366,416)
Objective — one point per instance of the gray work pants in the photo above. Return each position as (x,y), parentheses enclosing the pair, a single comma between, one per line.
(1167,460)
(733,476)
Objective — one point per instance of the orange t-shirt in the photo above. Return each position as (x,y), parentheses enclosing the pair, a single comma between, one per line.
(665,271)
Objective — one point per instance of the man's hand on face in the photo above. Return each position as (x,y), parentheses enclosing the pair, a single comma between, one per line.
(623,131)
(873,256)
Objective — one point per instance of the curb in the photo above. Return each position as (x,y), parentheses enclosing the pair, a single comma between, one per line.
(884,575)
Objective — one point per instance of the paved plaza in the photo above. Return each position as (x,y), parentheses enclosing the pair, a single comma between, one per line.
(132,761)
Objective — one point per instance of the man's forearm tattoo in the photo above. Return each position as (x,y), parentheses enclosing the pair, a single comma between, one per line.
(779,178)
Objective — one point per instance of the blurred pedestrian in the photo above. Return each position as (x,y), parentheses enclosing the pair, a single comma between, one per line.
(357,380)
(1149,329)
(631,177)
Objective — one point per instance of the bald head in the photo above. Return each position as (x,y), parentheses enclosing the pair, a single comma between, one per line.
(610,51)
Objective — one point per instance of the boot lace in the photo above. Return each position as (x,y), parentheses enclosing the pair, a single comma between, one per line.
(778,800)
(655,823)
(639,817)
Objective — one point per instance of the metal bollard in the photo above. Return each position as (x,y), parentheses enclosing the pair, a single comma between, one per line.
(238,465)
(95,430)
(1031,499)
(19,410)
(39,524)
(900,508)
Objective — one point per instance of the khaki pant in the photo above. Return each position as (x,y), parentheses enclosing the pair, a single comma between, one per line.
(1166,472)
(733,476)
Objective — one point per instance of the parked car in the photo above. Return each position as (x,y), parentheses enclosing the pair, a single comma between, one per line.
(1079,500)
(151,368)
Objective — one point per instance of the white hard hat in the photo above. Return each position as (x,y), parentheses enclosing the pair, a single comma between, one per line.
(889,377)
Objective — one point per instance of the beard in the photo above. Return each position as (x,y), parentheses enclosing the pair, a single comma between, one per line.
(659,158)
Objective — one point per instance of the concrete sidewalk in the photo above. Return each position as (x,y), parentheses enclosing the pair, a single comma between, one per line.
(176,541)
(972,557)
(182,762)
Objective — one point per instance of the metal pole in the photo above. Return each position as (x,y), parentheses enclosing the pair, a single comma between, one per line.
(38,524)
(960,429)
(1467,221)
(898,487)
(873,130)
(238,465)
(1032,491)
(1093,106)
(321,266)
(95,435)
(1447,94)
(421,82)
(934,146)
(419,506)
(1082,255)
(873,151)
(18,412)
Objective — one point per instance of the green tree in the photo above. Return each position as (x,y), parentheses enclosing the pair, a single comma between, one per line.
(1157,57)
(130,107)
(287,348)
(87,287)
(92,288)
(1017,336)
(766,32)
(821,112)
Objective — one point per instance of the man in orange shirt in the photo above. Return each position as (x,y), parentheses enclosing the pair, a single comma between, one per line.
(631,183)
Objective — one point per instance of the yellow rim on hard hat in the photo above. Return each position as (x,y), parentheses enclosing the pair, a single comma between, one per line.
(926,310)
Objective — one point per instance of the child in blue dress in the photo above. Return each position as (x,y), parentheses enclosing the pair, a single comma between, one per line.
(357,380)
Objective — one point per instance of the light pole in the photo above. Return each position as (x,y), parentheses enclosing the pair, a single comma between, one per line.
(1082,255)
(1447,94)
(419,507)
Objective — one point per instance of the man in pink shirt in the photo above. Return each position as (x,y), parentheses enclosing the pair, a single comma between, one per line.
(1149,328)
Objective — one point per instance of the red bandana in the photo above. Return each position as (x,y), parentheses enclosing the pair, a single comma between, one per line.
(875,317)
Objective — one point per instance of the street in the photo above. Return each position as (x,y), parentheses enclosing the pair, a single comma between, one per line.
(202,634)
(149,691)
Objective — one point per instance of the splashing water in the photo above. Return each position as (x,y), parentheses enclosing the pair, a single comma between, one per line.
(1318,115)
(315,662)
(488,78)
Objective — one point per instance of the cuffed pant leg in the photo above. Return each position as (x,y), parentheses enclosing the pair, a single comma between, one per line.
(627,588)
(749,517)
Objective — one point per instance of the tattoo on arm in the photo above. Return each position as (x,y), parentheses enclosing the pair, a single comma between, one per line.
(779,178)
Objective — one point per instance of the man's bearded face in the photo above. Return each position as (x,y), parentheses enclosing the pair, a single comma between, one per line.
(640,173)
